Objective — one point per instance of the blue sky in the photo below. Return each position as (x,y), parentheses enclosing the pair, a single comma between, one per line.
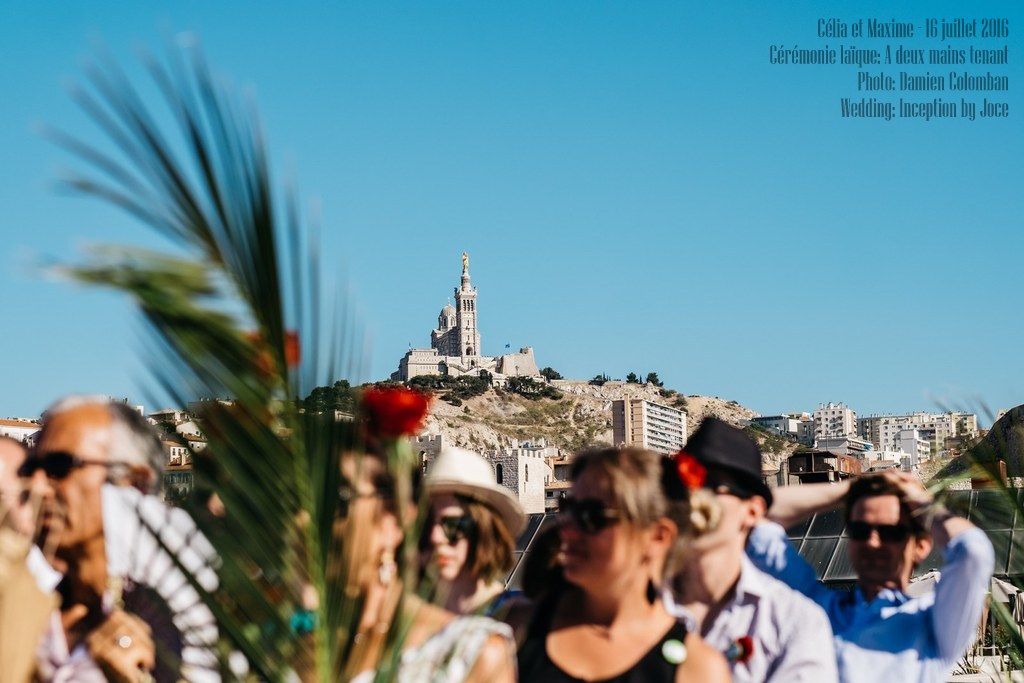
(637,187)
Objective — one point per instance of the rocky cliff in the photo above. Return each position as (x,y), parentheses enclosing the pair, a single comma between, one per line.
(580,418)
(1005,441)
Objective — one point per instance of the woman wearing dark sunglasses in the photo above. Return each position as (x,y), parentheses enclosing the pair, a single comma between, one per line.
(469,538)
(618,530)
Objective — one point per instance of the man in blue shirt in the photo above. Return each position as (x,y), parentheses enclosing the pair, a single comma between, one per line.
(881,633)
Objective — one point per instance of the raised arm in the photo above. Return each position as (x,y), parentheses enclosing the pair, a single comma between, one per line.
(794,504)
(964,580)
(943,525)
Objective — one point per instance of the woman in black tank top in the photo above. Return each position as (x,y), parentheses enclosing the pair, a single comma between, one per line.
(608,622)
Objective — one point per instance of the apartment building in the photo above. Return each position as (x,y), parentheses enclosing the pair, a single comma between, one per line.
(935,428)
(834,420)
(638,422)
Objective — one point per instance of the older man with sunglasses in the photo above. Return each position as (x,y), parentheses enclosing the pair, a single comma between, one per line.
(94,468)
(881,633)
(766,630)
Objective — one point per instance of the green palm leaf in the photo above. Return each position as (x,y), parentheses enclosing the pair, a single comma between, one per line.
(218,318)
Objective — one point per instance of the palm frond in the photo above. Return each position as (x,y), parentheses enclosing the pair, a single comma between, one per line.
(220,318)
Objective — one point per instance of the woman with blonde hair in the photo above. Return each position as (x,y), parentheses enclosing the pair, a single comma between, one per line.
(629,515)
(469,537)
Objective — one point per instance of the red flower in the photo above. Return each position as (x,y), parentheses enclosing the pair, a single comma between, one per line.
(691,472)
(264,361)
(292,349)
(741,650)
(394,411)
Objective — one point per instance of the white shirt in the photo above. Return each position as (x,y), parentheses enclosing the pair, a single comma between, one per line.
(792,639)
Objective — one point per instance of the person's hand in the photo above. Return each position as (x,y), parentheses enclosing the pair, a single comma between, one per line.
(122,646)
(913,491)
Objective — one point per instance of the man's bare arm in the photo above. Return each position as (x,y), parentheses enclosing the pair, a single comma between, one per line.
(793,504)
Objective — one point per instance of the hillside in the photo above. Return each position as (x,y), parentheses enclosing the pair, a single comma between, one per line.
(582,417)
(1005,441)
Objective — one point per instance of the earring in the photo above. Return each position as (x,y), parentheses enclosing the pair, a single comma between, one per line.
(652,592)
(388,567)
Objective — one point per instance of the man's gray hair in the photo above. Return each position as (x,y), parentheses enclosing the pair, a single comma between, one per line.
(132,439)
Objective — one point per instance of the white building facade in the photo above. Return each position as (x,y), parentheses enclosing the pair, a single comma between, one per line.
(524,469)
(834,420)
(638,422)
(910,441)
(19,430)
(786,424)
(934,428)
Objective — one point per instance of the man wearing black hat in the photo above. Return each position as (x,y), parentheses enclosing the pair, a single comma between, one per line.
(766,630)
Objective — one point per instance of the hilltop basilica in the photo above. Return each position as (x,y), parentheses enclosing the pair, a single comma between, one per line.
(455,344)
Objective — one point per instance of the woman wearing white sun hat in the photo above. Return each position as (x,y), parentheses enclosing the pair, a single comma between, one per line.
(469,538)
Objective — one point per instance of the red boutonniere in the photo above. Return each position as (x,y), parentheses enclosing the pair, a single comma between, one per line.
(741,650)
(691,472)
(394,411)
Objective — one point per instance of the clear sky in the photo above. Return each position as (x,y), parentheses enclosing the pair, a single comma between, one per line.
(638,188)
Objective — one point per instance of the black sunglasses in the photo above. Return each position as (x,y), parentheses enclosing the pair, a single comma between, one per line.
(59,464)
(456,527)
(589,514)
(887,533)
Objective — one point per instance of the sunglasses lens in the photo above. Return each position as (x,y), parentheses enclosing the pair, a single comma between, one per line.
(455,528)
(858,531)
(56,465)
(892,533)
(887,533)
(588,515)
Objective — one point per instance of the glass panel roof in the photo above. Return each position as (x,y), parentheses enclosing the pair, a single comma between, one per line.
(992,509)
(1016,564)
(533,523)
(822,541)
(840,569)
(829,523)
(1001,544)
(818,553)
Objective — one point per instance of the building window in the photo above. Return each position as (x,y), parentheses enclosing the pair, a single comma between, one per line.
(499,473)
(527,466)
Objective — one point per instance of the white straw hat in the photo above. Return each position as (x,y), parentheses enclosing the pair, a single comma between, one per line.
(465,473)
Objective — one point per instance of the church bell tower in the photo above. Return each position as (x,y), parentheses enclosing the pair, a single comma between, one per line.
(465,312)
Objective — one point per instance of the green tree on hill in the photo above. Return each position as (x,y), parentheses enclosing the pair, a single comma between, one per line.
(338,397)
(550,373)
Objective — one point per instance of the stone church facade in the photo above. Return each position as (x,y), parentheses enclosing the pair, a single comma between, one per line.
(455,345)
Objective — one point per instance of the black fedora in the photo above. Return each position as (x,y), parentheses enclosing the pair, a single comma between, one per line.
(724,449)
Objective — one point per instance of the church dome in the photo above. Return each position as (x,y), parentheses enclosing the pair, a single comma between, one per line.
(446,319)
